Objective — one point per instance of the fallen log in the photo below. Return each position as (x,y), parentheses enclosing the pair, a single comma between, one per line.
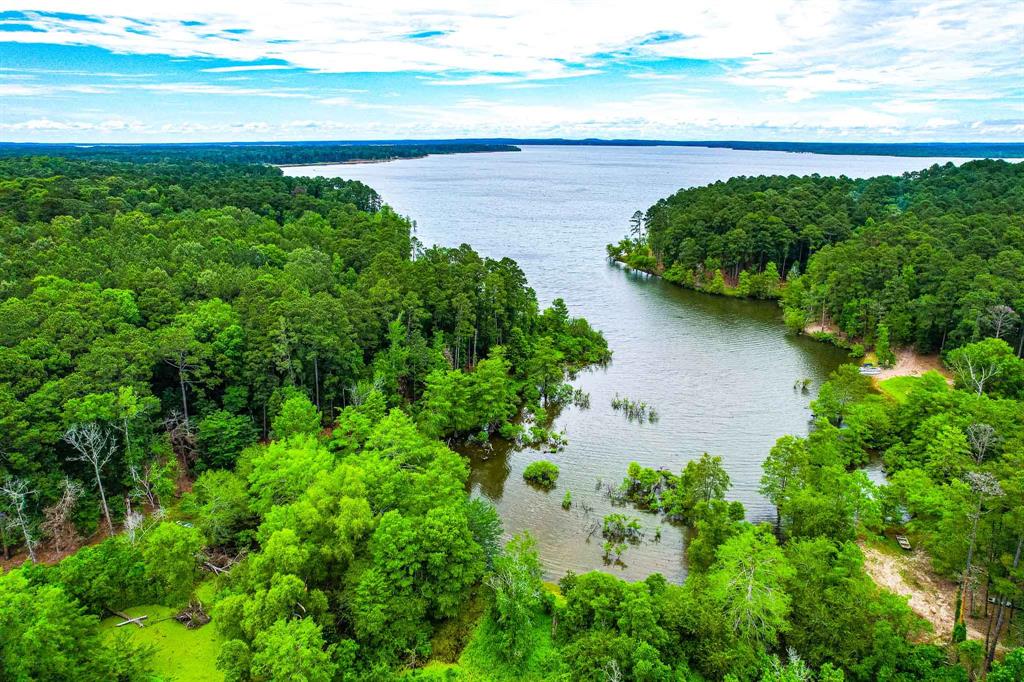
(138,621)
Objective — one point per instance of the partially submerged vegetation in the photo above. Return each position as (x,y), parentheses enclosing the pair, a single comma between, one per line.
(635,410)
(542,473)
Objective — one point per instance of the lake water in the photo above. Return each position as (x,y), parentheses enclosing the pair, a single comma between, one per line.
(719,371)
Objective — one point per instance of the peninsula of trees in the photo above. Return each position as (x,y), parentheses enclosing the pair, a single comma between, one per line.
(934,258)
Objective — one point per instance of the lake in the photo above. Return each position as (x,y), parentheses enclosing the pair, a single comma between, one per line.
(719,371)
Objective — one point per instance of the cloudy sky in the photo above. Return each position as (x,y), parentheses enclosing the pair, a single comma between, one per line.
(188,70)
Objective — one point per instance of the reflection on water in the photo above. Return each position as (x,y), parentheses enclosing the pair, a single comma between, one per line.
(718,371)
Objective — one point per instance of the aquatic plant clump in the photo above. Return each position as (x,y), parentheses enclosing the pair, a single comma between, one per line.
(542,473)
(635,410)
(621,528)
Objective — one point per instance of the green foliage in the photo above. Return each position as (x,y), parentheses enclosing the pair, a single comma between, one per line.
(46,634)
(883,351)
(989,367)
(619,527)
(170,553)
(516,583)
(932,255)
(222,436)
(209,297)
(108,575)
(292,650)
(542,473)
(701,480)
(298,416)
(219,503)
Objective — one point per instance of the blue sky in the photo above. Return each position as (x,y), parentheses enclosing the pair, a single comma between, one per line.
(120,70)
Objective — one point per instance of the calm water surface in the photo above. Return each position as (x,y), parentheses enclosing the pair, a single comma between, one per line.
(719,371)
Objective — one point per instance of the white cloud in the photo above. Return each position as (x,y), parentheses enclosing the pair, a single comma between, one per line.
(250,67)
(804,47)
(828,67)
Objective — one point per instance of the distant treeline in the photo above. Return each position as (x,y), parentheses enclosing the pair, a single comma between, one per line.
(935,257)
(339,151)
(988,150)
(256,152)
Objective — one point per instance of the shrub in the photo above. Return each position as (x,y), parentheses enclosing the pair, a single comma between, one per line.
(542,473)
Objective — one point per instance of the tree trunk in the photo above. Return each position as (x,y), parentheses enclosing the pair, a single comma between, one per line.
(316,379)
(184,399)
(103,499)
(970,554)
(991,653)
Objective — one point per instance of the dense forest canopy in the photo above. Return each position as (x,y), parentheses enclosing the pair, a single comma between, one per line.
(933,256)
(220,290)
(283,153)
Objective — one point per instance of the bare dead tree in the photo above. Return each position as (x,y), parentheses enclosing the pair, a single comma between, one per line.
(982,438)
(611,670)
(57,522)
(132,522)
(183,437)
(1001,319)
(16,491)
(974,373)
(95,446)
(142,485)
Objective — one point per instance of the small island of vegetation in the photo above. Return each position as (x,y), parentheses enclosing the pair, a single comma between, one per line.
(541,473)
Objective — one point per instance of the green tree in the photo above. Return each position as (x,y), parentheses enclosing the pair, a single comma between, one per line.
(292,650)
(298,416)
(516,583)
(170,554)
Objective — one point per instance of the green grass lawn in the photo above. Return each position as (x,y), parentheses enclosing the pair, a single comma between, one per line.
(179,654)
(898,388)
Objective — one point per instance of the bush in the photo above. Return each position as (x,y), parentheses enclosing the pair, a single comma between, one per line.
(222,436)
(542,473)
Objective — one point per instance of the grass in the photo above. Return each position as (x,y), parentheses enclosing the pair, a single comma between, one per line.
(898,388)
(179,654)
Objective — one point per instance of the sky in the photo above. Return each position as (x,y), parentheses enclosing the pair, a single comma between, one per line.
(212,70)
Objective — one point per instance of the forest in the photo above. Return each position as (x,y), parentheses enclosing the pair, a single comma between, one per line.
(281,153)
(233,396)
(934,258)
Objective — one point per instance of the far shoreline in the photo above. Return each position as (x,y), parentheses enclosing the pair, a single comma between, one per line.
(353,162)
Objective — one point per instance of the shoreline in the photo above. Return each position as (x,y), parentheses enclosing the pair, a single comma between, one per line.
(348,162)
(908,361)
(353,162)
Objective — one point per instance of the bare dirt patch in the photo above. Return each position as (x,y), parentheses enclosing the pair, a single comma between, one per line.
(911,364)
(929,596)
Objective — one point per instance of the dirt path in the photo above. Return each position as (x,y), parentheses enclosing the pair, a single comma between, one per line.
(930,596)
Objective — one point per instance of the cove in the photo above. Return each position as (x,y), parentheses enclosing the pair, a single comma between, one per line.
(719,371)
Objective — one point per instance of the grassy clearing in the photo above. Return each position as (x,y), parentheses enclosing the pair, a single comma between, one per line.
(179,654)
(898,388)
